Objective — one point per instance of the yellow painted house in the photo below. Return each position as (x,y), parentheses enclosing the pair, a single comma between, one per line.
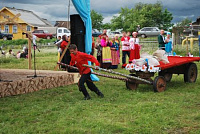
(27,19)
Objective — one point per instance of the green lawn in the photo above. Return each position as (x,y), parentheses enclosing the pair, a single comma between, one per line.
(63,110)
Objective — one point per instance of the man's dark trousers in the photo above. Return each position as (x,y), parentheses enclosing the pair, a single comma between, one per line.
(124,53)
(86,78)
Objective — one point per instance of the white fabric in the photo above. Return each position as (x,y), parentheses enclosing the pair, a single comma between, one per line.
(132,42)
(34,39)
(160,56)
(59,42)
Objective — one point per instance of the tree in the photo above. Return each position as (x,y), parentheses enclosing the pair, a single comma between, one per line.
(145,15)
(96,20)
(184,22)
(118,22)
(106,26)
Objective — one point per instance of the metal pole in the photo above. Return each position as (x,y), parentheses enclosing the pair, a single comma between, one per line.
(68,14)
(29,52)
(199,43)
(187,51)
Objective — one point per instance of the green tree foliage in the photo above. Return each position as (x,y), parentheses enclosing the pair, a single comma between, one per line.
(184,22)
(145,15)
(107,26)
(96,20)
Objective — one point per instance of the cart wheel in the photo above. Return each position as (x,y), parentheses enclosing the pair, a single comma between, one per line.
(159,84)
(167,76)
(131,85)
(191,73)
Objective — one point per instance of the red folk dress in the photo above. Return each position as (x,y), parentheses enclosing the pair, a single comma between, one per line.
(134,49)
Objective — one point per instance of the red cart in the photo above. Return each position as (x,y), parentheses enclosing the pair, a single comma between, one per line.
(176,65)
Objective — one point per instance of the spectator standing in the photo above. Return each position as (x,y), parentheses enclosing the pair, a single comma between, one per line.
(134,47)
(114,48)
(125,47)
(138,28)
(118,51)
(58,42)
(168,45)
(161,40)
(66,58)
(129,34)
(93,46)
(99,50)
(103,34)
(106,53)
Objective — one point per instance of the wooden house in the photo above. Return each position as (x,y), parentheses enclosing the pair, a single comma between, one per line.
(27,19)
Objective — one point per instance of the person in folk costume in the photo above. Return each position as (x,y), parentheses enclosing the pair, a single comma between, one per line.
(93,46)
(66,58)
(118,41)
(114,48)
(106,52)
(128,34)
(168,45)
(134,47)
(104,33)
(99,50)
(125,48)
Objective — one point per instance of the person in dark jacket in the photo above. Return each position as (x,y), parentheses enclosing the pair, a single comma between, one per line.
(161,40)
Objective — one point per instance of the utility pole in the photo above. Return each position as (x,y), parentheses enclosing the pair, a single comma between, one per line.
(68,15)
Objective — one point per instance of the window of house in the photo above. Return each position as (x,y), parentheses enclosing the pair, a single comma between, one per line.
(14,29)
(6,30)
(28,28)
(6,17)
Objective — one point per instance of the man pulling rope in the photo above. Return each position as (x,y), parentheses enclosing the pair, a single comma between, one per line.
(79,58)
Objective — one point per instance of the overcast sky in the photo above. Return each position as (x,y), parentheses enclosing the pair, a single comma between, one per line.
(58,9)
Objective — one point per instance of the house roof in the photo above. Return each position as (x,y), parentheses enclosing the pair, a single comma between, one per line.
(197,22)
(30,17)
(62,24)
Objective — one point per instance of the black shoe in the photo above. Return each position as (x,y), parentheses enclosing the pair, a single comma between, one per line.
(87,97)
(100,95)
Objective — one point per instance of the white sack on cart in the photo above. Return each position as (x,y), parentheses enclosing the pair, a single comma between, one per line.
(153,62)
(160,56)
(140,62)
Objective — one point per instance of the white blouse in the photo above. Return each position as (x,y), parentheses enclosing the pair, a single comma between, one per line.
(133,41)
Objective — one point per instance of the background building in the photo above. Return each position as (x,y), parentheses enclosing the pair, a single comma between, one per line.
(27,19)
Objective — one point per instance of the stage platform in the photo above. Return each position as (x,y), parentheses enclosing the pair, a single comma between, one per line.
(15,81)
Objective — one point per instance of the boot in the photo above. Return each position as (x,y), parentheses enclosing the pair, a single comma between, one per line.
(100,94)
(87,97)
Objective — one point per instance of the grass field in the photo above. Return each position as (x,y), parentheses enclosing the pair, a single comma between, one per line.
(63,110)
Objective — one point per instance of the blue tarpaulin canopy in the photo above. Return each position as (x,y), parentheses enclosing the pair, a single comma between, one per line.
(83,8)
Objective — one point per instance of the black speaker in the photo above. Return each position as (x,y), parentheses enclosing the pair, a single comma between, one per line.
(77,32)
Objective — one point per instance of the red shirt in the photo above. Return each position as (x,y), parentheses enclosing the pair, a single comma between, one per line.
(82,58)
(63,45)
